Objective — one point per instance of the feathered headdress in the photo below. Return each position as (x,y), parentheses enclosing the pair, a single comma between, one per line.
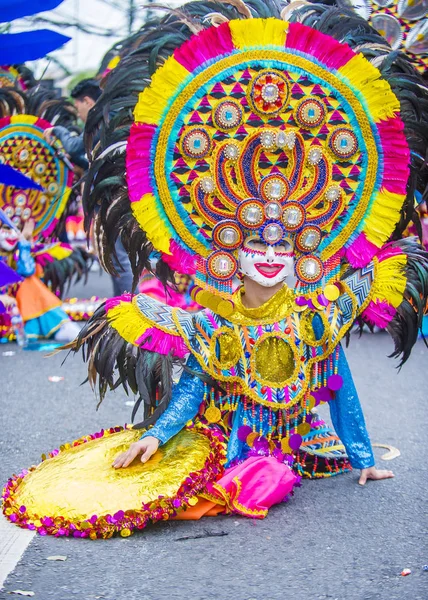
(24,116)
(256,126)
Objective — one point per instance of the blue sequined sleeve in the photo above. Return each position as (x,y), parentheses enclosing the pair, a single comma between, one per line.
(26,265)
(348,419)
(186,398)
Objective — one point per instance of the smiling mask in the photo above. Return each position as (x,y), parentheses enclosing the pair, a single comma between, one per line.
(265,264)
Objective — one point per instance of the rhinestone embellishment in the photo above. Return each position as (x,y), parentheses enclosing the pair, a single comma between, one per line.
(221,265)
(314,156)
(208,185)
(227,115)
(293,216)
(343,143)
(309,269)
(269,92)
(196,143)
(286,140)
(333,193)
(272,233)
(231,151)
(310,113)
(308,239)
(250,214)
(273,210)
(267,139)
(274,188)
(228,235)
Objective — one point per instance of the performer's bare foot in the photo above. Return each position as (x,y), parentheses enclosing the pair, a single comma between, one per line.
(375,474)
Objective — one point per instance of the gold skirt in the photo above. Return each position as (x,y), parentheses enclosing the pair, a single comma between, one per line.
(77,492)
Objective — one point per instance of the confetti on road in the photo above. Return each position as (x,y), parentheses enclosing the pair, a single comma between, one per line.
(55,378)
(22,593)
(57,557)
(129,403)
(425,568)
(405,572)
(9,353)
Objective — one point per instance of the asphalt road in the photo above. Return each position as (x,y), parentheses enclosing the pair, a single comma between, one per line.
(333,540)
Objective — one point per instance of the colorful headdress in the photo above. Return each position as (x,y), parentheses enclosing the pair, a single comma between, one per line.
(271,128)
(23,147)
(258,126)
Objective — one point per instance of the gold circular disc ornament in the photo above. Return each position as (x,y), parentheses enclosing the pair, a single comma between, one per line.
(285,446)
(310,402)
(304,429)
(212,414)
(251,438)
(331,292)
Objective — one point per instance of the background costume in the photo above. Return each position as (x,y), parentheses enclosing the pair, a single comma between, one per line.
(253,126)
(46,265)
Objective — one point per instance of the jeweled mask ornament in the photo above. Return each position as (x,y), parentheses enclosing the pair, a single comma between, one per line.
(258,128)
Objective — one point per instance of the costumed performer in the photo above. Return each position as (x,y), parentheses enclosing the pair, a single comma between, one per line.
(266,147)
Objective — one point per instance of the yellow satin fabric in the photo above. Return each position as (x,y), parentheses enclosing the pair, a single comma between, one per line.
(80,482)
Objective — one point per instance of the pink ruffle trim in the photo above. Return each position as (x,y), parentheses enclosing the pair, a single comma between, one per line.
(163,343)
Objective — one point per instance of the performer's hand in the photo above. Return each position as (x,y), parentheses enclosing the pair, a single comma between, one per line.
(373,473)
(146,447)
(47,134)
(28,230)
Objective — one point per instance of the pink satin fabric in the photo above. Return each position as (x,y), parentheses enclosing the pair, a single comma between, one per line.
(255,485)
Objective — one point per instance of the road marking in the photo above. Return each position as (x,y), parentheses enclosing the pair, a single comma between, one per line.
(13,542)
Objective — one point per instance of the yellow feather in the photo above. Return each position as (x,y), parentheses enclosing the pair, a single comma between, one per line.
(148,218)
(383,216)
(59,253)
(379,99)
(30,119)
(390,280)
(128,321)
(153,101)
(257,32)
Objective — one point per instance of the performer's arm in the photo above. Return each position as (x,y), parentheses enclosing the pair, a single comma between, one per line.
(348,420)
(26,265)
(185,401)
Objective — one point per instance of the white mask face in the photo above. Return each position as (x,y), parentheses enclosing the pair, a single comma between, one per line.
(8,239)
(265,264)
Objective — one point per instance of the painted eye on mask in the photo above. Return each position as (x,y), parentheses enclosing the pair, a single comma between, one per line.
(258,246)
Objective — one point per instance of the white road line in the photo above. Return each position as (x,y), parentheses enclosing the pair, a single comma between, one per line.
(13,542)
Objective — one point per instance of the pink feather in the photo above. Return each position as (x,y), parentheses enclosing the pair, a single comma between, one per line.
(158,341)
(113,302)
(138,160)
(209,44)
(330,52)
(361,252)
(379,313)
(179,260)
(396,155)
